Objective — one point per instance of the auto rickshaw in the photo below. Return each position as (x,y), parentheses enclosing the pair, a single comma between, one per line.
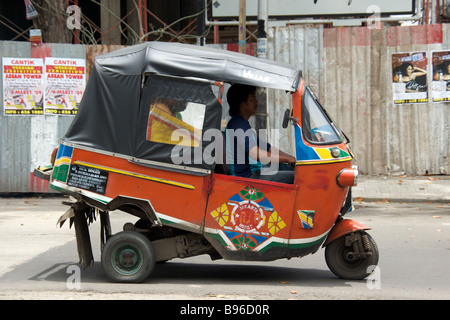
(124,152)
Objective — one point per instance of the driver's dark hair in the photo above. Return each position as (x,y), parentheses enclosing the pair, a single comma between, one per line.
(236,94)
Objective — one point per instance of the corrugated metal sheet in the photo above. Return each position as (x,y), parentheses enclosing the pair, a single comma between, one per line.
(27,141)
(47,130)
(15,133)
(350,69)
(301,46)
(386,138)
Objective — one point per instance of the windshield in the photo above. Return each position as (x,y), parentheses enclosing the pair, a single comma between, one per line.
(317,126)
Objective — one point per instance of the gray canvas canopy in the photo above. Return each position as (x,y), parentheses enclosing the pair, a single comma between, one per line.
(114,112)
(182,60)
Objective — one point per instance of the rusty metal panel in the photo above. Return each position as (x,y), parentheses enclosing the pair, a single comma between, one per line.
(27,141)
(417,134)
(47,130)
(301,46)
(14,134)
(350,70)
(386,138)
(353,94)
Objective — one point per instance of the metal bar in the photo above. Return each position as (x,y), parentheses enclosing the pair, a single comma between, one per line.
(242,26)
(216,34)
(145,21)
(12,25)
(163,23)
(188,32)
(22,34)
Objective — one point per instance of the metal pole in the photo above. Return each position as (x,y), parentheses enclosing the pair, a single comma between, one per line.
(201,23)
(242,26)
(262,28)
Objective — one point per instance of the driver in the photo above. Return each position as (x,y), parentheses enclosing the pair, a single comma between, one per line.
(243,104)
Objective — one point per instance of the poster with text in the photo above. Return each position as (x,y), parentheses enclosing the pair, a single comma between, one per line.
(409,77)
(440,86)
(23,85)
(65,81)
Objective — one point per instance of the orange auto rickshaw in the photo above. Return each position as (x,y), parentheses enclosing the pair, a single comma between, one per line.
(147,140)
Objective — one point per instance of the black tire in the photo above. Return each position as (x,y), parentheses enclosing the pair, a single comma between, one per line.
(128,256)
(341,266)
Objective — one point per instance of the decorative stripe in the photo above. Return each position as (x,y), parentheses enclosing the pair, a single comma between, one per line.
(187,169)
(222,237)
(308,162)
(137,175)
(307,242)
(62,160)
(270,243)
(165,219)
(169,220)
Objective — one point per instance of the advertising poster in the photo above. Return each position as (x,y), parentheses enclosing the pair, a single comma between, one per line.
(65,81)
(23,85)
(440,86)
(409,77)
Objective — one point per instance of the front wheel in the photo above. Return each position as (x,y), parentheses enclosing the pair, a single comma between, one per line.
(128,256)
(343,259)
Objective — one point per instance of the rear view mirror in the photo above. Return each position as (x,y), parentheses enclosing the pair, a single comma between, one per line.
(286,118)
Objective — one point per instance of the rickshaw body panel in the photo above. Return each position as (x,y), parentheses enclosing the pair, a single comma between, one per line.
(249,219)
(317,206)
(114,158)
(344,227)
(179,199)
(319,199)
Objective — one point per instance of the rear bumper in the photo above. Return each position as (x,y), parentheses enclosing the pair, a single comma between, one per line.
(43,172)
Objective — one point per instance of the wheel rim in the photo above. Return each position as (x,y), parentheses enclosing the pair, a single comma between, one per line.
(127,259)
(338,258)
(346,261)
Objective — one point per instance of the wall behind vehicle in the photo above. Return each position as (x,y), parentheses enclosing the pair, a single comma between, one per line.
(350,69)
(301,46)
(27,142)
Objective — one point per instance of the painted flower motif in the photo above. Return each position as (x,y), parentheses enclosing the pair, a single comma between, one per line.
(221,214)
(251,194)
(244,242)
(275,223)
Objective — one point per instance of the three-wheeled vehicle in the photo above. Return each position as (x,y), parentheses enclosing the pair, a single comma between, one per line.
(147,141)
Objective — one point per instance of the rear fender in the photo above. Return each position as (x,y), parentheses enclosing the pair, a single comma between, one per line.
(343,227)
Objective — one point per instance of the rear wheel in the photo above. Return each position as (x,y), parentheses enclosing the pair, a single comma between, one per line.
(343,259)
(128,256)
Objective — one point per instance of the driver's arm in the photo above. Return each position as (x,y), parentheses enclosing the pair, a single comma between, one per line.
(273,155)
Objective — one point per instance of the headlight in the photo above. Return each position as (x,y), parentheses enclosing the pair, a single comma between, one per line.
(347,177)
(335,152)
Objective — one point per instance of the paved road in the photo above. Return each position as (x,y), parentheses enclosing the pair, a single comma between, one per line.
(39,261)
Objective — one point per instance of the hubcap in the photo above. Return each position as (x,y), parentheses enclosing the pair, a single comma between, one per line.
(126,259)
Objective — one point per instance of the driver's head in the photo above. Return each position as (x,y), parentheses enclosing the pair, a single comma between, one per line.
(237,94)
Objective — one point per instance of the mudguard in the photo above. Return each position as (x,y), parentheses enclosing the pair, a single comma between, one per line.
(343,227)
